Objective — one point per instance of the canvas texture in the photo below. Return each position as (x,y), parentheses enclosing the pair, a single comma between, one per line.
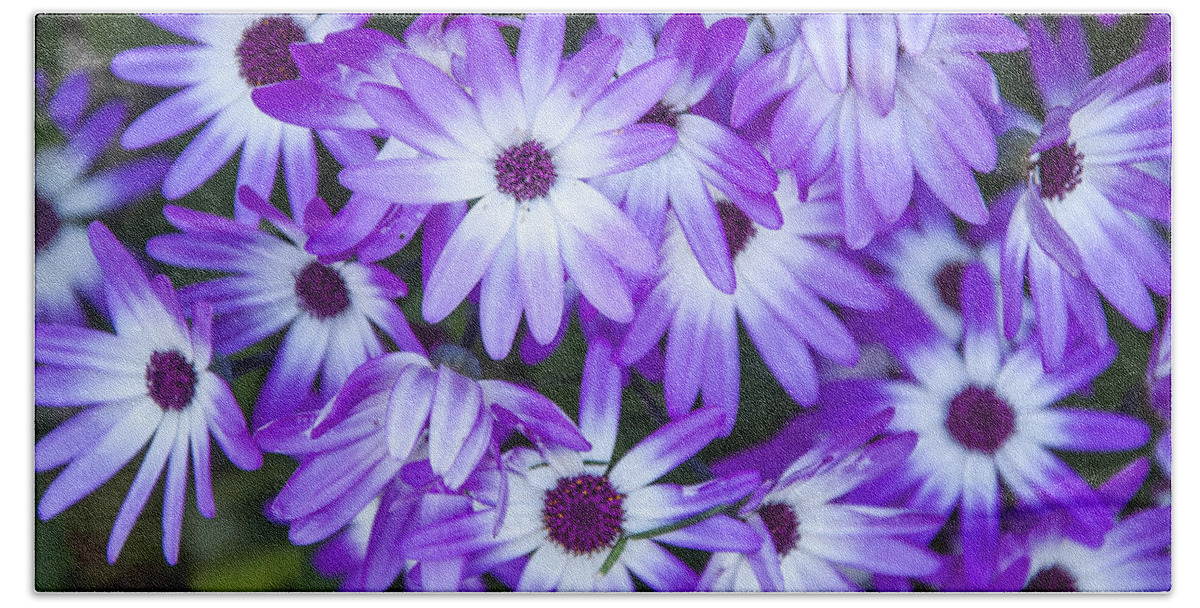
(603,302)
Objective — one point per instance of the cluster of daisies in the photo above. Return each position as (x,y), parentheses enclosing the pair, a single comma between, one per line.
(811,179)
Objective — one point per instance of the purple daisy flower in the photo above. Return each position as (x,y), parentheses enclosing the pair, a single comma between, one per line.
(326,97)
(393,410)
(706,155)
(590,522)
(1022,525)
(148,383)
(1077,230)
(68,192)
(984,415)
(1135,555)
(521,143)
(810,536)
(926,261)
(236,53)
(331,308)
(782,277)
(370,552)
(913,106)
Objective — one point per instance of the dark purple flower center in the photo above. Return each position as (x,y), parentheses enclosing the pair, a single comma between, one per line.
(45,222)
(525,171)
(1054,578)
(170,380)
(738,227)
(980,420)
(583,514)
(321,291)
(949,284)
(263,54)
(661,114)
(782,524)
(1060,169)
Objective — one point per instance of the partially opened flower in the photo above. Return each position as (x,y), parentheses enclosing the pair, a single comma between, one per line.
(370,552)
(235,53)
(707,155)
(885,100)
(69,190)
(1079,229)
(783,276)
(987,419)
(148,383)
(330,308)
(1135,554)
(521,143)
(396,409)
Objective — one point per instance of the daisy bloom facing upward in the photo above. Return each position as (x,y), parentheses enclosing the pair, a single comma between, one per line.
(588,521)
(236,53)
(531,130)
(986,418)
(148,383)
(782,277)
(330,308)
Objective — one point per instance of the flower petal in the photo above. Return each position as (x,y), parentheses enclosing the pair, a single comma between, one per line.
(666,449)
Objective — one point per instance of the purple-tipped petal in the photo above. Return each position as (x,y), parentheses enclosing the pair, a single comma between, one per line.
(539,418)
(826,36)
(980,520)
(408,409)
(228,424)
(420,180)
(600,400)
(873,42)
(539,52)
(539,269)
(456,405)
(665,449)
(69,102)
(658,568)
(109,455)
(493,76)
(1092,431)
(147,477)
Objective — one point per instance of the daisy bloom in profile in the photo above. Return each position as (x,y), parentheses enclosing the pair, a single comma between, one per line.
(1079,229)
(531,130)
(782,277)
(396,409)
(811,537)
(330,308)
(235,54)
(706,156)
(68,190)
(886,100)
(148,383)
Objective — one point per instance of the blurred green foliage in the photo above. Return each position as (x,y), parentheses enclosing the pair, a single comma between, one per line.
(240,549)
